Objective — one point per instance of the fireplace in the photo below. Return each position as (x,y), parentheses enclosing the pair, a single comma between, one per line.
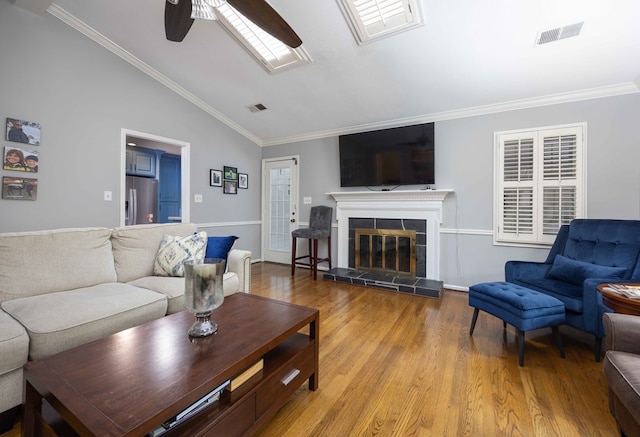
(419,210)
(410,210)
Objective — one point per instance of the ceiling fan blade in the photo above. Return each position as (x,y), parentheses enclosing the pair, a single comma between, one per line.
(265,17)
(177,20)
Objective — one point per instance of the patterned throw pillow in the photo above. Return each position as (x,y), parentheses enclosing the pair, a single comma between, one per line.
(174,251)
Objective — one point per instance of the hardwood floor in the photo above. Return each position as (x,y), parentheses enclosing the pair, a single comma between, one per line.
(402,365)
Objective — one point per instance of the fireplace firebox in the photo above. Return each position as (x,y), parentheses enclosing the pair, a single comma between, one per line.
(386,250)
(406,240)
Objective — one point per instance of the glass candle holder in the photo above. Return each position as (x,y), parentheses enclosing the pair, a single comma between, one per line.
(203,293)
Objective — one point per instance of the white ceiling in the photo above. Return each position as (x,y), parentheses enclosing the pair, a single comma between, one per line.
(469,57)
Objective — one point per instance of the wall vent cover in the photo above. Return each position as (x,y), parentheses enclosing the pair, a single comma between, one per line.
(558,33)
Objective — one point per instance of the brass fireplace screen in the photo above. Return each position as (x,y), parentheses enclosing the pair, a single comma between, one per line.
(386,251)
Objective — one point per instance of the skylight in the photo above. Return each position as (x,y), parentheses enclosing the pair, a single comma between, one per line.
(371,19)
(270,52)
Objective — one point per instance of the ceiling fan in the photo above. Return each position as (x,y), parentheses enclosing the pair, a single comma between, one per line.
(179,16)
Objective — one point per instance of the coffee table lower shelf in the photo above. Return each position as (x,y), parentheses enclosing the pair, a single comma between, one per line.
(246,409)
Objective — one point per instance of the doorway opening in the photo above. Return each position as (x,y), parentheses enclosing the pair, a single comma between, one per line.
(279,207)
(180,150)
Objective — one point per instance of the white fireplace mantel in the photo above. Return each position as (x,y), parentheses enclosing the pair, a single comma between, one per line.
(407,204)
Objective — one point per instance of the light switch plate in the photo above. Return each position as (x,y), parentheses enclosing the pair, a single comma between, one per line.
(306,200)
(108,195)
(197,198)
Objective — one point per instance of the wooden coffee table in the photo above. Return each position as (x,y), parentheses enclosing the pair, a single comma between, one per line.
(131,382)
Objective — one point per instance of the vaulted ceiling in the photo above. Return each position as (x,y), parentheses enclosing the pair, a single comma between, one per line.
(468,57)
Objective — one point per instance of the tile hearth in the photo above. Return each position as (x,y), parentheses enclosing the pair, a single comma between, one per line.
(402,284)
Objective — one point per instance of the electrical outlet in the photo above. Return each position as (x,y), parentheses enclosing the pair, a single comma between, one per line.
(306,200)
(197,198)
(108,196)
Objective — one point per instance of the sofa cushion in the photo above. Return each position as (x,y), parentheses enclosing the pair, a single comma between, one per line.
(575,272)
(14,352)
(173,288)
(41,262)
(62,320)
(219,247)
(11,388)
(135,247)
(14,344)
(175,251)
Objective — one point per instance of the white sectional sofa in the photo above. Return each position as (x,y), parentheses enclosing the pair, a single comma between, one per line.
(66,287)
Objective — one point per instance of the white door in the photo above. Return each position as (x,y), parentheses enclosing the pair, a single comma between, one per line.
(280,207)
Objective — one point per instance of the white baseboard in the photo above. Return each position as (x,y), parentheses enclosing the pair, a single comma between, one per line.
(456,287)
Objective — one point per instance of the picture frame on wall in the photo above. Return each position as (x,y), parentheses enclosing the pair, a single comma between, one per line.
(19,188)
(23,131)
(230,187)
(243,180)
(215,178)
(230,173)
(19,159)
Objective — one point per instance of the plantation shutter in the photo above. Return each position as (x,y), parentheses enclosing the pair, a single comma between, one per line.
(373,18)
(560,202)
(540,183)
(518,187)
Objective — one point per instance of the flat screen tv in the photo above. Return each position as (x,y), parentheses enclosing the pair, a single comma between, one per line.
(396,156)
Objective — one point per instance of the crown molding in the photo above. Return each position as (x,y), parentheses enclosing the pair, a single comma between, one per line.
(114,48)
(554,99)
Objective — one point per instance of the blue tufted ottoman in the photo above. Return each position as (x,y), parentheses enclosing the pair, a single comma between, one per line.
(520,307)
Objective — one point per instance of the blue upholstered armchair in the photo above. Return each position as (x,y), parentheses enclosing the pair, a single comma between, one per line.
(586,253)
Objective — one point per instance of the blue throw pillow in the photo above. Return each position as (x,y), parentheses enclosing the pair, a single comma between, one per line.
(219,247)
(573,271)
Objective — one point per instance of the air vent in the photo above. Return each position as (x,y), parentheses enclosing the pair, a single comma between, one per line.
(559,33)
(257,107)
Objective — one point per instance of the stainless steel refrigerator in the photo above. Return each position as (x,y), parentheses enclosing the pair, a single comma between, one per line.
(141,203)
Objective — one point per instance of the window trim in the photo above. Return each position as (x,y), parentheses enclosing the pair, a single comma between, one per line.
(364,34)
(581,167)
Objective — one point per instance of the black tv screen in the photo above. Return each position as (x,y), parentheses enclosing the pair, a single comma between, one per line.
(396,156)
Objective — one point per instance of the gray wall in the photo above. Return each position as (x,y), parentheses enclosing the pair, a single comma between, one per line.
(464,163)
(83,95)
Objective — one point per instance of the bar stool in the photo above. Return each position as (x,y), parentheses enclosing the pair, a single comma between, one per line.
(319,228)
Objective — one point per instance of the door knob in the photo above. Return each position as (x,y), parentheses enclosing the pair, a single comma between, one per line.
(293,220)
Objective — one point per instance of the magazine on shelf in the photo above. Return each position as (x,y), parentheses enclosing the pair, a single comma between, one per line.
(629,291)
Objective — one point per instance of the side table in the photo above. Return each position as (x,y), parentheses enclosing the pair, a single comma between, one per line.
(619,303)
